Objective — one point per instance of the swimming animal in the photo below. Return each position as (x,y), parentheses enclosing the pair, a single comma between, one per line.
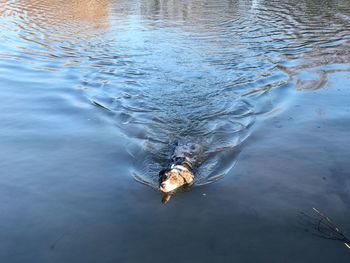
(180,171)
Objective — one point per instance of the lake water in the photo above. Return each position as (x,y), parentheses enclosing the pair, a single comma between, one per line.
(95,92)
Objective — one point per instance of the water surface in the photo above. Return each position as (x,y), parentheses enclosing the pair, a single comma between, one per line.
(94,93)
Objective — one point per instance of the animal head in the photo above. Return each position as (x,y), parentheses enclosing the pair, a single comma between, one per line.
(173,178)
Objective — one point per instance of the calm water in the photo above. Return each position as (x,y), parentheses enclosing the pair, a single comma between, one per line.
(94,93)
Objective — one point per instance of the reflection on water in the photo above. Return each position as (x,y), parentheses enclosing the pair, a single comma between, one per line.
(199,71)
(53,14)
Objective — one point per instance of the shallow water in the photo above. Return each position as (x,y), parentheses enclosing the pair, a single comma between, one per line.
(94,94)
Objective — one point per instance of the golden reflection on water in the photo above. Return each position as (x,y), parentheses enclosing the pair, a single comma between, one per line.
(51,34)
(58,16)
(81,10)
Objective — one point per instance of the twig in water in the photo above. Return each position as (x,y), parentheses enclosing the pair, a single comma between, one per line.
(99,104)
(324,227)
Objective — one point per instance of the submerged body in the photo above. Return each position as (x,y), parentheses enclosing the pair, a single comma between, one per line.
(180,171)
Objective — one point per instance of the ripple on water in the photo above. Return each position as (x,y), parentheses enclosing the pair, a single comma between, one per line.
(201,71)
